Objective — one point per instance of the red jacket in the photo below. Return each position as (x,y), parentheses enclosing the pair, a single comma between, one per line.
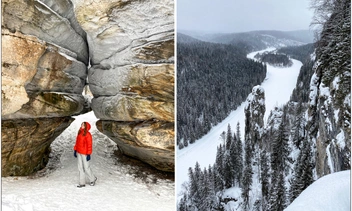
(84,143)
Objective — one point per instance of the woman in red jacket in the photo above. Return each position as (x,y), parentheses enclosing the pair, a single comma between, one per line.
(83,150)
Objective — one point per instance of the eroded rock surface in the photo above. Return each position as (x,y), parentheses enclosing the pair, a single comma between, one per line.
(25,143)
(44,69)
(148,141)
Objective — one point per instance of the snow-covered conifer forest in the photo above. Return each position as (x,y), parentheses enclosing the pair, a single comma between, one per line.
(268,153)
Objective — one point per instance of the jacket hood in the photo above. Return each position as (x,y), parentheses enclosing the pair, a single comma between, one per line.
(88,126)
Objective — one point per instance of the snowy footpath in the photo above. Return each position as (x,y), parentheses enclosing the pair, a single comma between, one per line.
(278,85)
(116,188)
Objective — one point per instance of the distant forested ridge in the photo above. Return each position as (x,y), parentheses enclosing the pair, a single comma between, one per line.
(301,53)
(258,40)
(212,80)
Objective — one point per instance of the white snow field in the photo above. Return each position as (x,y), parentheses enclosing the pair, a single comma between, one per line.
(278,85)
(329,193)
(116,187)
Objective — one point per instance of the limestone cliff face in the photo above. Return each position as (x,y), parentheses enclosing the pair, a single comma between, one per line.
(44,59)
(329,110)
(131,44)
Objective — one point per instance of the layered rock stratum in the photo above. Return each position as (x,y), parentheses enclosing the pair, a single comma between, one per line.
(46,49)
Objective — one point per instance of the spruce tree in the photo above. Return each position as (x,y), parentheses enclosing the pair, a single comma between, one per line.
(234,160)
(182,205)
(195,185)
(280,148)
(247,174)
(299,130)
(277,200)
(239,156)
(303,171)
(208,194)
(264,178)
(228,137)
(228,170)
(211,178)
(279,159)
(219,174)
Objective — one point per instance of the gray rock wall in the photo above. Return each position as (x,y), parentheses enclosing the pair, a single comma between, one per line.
(254,112)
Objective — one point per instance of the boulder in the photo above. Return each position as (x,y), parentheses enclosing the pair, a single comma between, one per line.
(25,143)
(150,141)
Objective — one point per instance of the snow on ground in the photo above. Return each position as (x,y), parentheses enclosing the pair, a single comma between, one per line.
(233,193)
(329,193)
(116,188)
(278,85)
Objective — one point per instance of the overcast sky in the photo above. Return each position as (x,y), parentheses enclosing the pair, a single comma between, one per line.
(243,15)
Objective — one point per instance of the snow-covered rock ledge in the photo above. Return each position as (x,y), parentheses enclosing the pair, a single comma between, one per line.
(329,193)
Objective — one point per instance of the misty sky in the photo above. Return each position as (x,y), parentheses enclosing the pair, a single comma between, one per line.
(243,15)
